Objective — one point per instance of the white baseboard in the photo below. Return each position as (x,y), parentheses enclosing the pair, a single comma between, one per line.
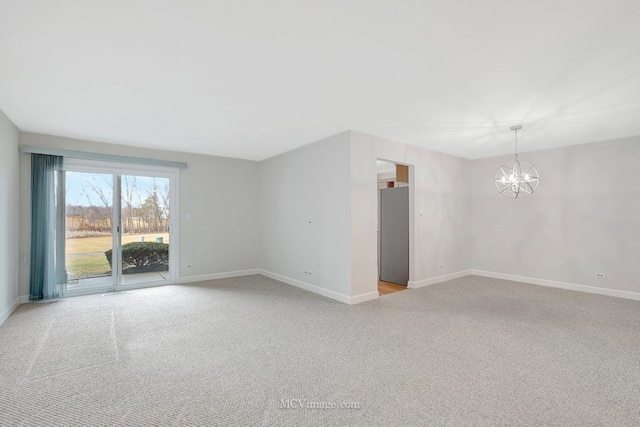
(24,299)
(560,285)
(214,276)
(311,288)
(439,279)
(7,312)
(364,297)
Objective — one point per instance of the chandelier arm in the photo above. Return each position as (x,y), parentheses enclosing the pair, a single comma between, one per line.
(527,188)
(505,187)
(509,170)
(531,188)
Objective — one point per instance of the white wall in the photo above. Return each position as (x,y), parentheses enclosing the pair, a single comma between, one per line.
(439,212)
(584,217)
(220,193)
(305,217)
(314,209)
(9,216)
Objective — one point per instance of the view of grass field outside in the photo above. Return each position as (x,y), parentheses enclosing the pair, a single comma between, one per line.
(89,218)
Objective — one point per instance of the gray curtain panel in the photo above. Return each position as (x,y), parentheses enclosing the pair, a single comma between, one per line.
(44,279)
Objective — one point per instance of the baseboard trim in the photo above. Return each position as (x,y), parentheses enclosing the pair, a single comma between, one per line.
(357,299)
(309,287)
(214,276)
(25,299)
(560,285)
(7,312)
(427,282)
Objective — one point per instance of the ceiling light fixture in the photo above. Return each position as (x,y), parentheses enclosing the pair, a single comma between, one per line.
(517,179)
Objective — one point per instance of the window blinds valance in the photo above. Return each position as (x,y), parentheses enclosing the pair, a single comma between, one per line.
(102,156)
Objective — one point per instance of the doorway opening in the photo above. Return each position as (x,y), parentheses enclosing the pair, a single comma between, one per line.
(393,227)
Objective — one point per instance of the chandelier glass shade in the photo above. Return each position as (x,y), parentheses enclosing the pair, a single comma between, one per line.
(516,179)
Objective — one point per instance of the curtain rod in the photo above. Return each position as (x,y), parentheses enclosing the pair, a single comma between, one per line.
(102,156)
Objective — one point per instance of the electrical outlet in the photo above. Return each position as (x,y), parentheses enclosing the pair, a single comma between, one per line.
(601,275)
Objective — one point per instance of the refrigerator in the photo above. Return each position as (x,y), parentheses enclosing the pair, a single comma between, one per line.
(393,235)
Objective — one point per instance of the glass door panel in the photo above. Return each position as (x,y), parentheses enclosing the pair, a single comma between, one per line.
(88,230)
(144,225)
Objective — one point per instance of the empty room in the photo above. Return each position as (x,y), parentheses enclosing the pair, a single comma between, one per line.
(305,213)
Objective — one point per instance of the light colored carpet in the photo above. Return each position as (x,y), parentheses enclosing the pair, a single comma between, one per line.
(471,351)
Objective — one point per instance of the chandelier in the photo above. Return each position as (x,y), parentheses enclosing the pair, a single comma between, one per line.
(516,179)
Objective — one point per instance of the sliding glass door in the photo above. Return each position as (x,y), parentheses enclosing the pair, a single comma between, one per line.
(118,232)
(145,225)
(89,216)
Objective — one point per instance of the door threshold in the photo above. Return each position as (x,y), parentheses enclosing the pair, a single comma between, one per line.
(114,293)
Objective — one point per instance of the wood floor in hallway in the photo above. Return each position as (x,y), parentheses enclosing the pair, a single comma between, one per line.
(385,288)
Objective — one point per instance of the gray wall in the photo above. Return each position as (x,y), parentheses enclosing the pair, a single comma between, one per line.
(314,209)
(9,215)
(220,193)
(304,216)
(439,211)
(584,217)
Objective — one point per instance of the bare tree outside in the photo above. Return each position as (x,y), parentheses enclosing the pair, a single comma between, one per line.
(129,188)
(144,216)
(144,208)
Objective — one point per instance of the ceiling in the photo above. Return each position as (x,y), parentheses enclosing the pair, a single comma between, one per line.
(251,79)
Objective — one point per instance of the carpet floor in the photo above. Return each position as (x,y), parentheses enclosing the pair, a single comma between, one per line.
(252,351)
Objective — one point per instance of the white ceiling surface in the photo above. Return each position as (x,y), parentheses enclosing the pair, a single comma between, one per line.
(251,79)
